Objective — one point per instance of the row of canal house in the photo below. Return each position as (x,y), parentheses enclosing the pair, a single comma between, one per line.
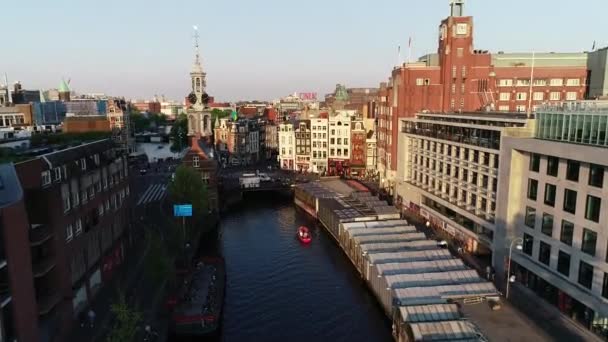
(421,287)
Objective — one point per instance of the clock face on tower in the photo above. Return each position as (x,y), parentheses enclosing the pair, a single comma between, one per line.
(192,98)
(462,29)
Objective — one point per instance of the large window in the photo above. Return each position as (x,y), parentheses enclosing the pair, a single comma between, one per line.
(552,166)
(570,201)
(596,175)
(550,194)
(572,170)
(534,162)
(563,263)
(547,226)
(530,217)
(605,286)
(544,253)
(592,208)
(528,244)
(567,232)
(532,189)
(585,274)
(589,241)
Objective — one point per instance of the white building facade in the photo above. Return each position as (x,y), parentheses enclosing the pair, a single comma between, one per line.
(339,141)
(319,147)
(287,146)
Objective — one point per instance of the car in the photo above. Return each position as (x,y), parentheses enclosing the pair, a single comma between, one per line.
(143,171)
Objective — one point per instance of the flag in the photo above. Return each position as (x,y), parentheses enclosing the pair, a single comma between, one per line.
(593,48)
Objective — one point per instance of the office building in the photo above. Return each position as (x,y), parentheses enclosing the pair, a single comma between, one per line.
(552,202)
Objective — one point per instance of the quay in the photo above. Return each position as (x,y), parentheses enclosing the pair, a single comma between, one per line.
(422,288)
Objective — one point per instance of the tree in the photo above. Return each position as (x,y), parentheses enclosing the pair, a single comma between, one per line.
(188,187)
(139,122)
(158,263)
(179,133)
(158,119)
(127,322)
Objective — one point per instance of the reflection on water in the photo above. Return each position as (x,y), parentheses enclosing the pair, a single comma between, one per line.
(281,290)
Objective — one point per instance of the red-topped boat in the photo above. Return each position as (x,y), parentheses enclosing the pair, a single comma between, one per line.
(304,234)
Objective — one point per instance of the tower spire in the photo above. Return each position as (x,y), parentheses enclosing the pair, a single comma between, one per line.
(197,60)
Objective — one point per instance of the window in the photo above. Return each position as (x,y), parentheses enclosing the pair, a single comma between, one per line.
(572,170)
(57,174)
(544,253)
(83,164)
(556,82)
(521,96)
(69,233)
(567,232)
(532,189)
(195,161)
(505,83)
(605,286)
(345,151)
(571,96)
(547,226)
(589,241)
(505,96)
(503,108)
(78,227)
(563,263)
(538,96)
(550,194)
(573,82)
(528,244)
(585,274)
(96,158)
(540,83)
(552,166)
(419,81)
(596,175)
(345,141)
(100,210)
(570,201)
(535,162)
(459,52)
(592,208)
(108,204)
(520,108)
(46,177)
(523,83)
(530,217)
(554,96)
(65,196)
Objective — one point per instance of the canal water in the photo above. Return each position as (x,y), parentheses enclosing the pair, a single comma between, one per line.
(281,290)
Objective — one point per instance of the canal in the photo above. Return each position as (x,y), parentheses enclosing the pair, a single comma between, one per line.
(281,290)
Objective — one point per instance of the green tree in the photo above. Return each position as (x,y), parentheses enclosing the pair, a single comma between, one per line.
(179,133)
(127,322)
(158,119)
(158,261)
(188,187)
(139,122)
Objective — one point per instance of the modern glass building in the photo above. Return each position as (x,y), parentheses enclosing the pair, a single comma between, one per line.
(574,122)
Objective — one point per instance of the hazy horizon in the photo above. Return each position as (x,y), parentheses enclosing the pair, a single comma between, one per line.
(265,49)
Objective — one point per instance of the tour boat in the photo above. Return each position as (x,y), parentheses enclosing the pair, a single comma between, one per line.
(304,235)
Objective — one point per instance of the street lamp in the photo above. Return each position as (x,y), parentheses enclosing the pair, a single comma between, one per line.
(428,224)
(510,278)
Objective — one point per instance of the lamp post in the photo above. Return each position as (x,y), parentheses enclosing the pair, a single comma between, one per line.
(519,247)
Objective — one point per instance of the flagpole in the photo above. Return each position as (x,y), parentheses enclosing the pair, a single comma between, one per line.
(409,51)
(398,55)
(531,82)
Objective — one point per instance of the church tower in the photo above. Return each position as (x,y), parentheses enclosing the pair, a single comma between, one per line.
(199,119)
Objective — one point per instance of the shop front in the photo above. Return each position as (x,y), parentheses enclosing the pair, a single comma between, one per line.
(338,167)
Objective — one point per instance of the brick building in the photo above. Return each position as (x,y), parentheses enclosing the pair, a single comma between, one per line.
(148,106)
(68,235)
(88,123)
(461,78)
(358,138)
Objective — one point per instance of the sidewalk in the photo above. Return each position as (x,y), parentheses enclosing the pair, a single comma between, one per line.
(542,315)
(125,278)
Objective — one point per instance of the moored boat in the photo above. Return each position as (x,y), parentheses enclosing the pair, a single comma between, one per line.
(304,234)
(197,309)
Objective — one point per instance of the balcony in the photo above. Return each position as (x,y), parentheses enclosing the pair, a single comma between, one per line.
(43,265)
(46,302)
(39,234)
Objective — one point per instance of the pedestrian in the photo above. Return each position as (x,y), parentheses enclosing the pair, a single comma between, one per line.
(91,315)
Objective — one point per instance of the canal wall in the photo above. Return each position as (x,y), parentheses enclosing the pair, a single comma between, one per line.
(404,270)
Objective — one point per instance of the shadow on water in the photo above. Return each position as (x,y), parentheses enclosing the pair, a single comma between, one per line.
(281,290)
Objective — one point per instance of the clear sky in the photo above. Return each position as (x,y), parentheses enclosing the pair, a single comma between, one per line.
(262,49)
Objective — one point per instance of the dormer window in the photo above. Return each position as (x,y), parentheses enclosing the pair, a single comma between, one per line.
(83,164)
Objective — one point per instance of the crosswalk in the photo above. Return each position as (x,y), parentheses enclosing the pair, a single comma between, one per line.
(153,193)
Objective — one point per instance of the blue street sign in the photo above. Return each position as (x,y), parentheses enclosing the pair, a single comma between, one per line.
(181,210)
